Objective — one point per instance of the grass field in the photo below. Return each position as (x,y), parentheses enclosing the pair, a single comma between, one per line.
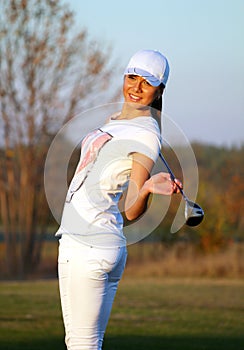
(159,313)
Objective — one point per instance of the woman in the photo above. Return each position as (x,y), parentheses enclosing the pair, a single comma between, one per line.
(117,157)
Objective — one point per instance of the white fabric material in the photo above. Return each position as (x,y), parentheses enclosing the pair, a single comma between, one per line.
(151,65)
(91,211)
(88,281)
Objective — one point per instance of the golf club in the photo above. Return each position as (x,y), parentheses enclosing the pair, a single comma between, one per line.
(193,212)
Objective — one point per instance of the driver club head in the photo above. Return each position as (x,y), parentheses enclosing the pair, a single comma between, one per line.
(194,214)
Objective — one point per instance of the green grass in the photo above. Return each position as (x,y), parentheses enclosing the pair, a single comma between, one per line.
(153,314)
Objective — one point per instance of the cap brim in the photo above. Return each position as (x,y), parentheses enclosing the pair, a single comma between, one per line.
(149,77)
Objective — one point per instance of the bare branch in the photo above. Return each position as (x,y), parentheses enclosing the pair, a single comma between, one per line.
(47,70)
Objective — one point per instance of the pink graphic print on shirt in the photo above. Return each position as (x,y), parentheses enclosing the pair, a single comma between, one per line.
(90,147)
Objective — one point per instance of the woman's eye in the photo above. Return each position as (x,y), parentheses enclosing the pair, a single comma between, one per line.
(131,76)
(135,77)
(147,83)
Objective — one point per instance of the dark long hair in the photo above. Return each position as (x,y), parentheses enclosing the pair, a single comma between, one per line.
(157,105)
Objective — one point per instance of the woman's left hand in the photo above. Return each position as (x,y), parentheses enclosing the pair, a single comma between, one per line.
(162,183)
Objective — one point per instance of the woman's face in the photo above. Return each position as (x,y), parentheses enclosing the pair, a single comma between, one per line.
(137,90)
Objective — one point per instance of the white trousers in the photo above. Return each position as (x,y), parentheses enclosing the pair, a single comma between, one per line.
(88,281)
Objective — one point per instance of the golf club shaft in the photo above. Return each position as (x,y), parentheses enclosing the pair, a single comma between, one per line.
(173,178)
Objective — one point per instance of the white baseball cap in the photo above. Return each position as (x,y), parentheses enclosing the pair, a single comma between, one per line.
(151,65)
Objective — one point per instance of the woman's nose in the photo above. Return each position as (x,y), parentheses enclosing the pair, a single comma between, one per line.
(137,86)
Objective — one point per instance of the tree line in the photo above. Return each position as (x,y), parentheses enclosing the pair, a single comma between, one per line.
(26,217)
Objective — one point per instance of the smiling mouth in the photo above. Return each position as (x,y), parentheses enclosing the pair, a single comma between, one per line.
(134,98)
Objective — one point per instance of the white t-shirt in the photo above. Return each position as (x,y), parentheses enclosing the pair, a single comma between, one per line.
(91,214)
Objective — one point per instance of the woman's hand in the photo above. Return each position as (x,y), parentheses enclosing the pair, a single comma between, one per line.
(162,183)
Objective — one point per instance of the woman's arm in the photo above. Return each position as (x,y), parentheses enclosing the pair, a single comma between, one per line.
(141,185)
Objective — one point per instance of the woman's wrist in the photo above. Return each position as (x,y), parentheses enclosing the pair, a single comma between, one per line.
(146,189)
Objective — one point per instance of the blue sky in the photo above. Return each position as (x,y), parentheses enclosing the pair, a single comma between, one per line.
(204,43)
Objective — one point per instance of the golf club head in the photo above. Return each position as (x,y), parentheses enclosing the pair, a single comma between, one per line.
(194,214)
